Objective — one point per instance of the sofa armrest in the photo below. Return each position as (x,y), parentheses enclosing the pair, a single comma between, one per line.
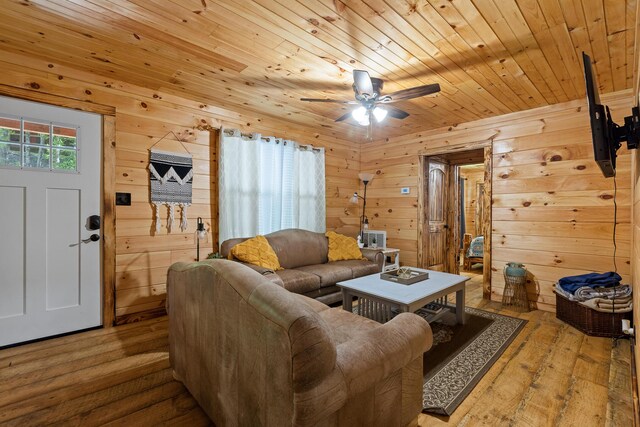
(262,270)
(376,354)
(266,272)
(377,257)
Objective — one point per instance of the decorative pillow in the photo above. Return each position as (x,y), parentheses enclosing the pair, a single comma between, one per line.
(342,247)
(256,251)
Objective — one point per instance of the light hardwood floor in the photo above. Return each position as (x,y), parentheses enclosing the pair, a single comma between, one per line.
(550,375)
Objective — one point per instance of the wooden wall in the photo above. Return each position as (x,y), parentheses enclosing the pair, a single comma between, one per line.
(472,176)
(143,116)
(551,207)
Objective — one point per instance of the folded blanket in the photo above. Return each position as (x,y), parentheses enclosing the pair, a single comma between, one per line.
(609,306)
(585,293)
(592,280)
(564,293)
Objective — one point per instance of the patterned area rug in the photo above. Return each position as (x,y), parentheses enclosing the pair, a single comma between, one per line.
(462,354)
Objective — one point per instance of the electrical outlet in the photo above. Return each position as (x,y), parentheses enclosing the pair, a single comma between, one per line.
(404,190)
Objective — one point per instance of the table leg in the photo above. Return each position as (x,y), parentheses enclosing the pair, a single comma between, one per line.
(460,317)
(347,301)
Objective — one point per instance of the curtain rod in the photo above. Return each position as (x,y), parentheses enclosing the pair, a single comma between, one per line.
(267,139)
(246,135)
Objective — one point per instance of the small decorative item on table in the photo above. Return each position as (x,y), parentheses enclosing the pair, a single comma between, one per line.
(404,277)
(404,273)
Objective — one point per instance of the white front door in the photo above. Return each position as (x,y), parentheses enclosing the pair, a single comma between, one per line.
(49,187)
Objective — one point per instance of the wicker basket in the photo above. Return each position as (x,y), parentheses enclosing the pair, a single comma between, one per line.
(588,320)
(515,293)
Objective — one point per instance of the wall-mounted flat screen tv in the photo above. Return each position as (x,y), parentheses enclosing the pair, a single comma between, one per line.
(604,143)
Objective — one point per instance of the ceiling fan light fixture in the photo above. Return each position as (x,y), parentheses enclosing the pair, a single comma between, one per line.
(359,114)
(367,91)
(365,121)
(379,114)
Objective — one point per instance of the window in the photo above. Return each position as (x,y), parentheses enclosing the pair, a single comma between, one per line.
(30,144)
(269,184)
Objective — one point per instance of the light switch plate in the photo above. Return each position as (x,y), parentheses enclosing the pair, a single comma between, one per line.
(123,199)
(404,190)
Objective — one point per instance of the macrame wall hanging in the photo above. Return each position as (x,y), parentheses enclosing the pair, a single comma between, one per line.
(171,176)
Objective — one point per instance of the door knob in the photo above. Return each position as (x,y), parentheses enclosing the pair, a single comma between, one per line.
(92,238)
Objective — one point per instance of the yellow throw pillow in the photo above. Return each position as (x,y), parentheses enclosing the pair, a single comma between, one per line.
(342,247)
(257,251)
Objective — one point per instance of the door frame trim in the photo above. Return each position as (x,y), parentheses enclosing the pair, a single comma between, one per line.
(107,178)
(487,146)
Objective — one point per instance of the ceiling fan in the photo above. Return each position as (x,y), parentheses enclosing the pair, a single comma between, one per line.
(368,95)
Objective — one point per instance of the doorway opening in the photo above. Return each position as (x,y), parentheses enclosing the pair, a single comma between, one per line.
(471,214)
(454,204)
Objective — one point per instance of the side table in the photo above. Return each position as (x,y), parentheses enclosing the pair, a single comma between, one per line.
(391,257)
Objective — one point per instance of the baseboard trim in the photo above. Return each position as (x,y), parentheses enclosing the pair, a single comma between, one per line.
(137,317)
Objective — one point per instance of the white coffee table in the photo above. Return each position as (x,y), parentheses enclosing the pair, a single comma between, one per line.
(378,297)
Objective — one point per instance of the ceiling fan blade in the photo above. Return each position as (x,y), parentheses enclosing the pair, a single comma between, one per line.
(413,92)
(396,113)
(328,100)
(362,83)
(344,117)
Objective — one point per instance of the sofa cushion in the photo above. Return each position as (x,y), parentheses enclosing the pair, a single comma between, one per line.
(329,273)
(296,248)
(358,268)
(342,247)
(299,282)
(324,291)
(331,298)
(256,251)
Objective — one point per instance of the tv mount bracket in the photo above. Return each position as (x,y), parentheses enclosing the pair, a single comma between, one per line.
(629,132)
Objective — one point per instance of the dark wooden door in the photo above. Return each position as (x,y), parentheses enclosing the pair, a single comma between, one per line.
(437,215)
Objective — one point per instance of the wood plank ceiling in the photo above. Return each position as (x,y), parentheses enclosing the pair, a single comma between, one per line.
(489,56)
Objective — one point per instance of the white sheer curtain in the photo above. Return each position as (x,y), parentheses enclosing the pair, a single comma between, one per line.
(268,184)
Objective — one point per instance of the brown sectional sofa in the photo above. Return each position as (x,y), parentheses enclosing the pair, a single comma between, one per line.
(307,270)
(252,353)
